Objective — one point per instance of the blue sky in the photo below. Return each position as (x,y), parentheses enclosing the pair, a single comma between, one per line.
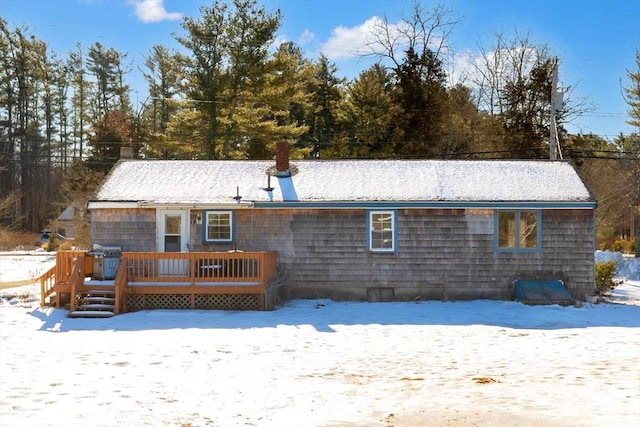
(596,40)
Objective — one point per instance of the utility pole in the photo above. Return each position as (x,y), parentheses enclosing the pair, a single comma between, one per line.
(554,99)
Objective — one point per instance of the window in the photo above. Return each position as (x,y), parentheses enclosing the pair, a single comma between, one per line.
(217,226)
(172,233)
(518,230)
(382,231)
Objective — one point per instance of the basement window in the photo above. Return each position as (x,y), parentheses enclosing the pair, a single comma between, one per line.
(218,226)
(518,230)
(381,226)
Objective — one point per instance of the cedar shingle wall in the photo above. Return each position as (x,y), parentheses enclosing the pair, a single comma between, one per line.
(132,229)
(442,253)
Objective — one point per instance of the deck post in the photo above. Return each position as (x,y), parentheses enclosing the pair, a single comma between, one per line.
(192,276)
(76,278)
(42,291)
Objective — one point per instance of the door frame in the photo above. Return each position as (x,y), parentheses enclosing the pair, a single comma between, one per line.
(161,214)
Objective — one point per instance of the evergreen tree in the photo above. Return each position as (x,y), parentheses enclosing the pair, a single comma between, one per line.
(326,91)
(369,112)
(421,98)
(526,110)
(164,77)
(112,114)
(467,132)
(81,88)
(633,100)
(632,93)
(111,93)
(24,60)
(280,104)
(227,69)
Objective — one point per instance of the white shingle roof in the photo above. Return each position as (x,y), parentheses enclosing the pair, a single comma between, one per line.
(218,181)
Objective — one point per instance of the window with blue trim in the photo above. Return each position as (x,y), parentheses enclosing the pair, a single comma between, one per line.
(217,226)
(518,230)
(382,231)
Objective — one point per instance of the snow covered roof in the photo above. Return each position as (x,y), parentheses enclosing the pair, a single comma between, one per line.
(66,215)
(216,182)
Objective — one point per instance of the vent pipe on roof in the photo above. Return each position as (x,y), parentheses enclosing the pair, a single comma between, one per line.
(282,158)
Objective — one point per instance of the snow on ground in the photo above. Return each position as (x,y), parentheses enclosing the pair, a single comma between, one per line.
(24,266)
(322,363)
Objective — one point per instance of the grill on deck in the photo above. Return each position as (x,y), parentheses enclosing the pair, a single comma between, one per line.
(106,261)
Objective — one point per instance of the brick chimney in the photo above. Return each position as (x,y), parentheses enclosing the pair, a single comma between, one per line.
(282,158)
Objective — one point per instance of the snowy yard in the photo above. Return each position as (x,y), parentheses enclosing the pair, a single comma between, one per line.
(320,363)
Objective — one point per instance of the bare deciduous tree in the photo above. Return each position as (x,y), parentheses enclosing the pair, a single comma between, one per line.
(421,30)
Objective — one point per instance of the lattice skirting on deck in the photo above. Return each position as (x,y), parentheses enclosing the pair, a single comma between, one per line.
(183,301)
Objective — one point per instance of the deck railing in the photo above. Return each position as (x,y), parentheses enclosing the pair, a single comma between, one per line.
(165,273)
(76,280)
(64,264)
(198,267)
(47,284)
(56,280)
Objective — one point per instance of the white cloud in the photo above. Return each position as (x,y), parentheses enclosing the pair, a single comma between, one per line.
(347,42)
(306,38)
(153,11)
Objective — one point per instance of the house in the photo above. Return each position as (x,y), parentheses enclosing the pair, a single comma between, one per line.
(64,223)
(365,230)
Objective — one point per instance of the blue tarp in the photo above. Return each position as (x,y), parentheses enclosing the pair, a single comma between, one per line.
(534,292)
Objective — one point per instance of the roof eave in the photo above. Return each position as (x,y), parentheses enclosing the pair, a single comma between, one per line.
(443,204)
(128,204)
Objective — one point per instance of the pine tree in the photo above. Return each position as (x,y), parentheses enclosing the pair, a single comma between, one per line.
(633,94)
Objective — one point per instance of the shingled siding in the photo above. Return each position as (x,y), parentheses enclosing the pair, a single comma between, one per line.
(442,253)
(132,229)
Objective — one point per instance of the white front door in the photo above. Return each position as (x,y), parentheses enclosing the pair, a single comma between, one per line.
(173,230)
(173,236)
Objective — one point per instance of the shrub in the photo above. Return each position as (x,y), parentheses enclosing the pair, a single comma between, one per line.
(605,273)
(632,247)
(66,245)
(11,240)
(52,244)
(620,246)
(603,246)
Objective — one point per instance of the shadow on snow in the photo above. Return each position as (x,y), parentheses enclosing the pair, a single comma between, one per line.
(324,314)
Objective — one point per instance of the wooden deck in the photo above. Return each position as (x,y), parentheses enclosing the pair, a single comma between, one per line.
(150,280)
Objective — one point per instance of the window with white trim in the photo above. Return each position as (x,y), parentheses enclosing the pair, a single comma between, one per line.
(217,226)
(518,230)
(382,231)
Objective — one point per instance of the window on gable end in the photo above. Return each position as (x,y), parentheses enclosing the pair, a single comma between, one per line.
(518,230)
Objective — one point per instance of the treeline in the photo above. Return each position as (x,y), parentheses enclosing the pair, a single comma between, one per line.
(230,93)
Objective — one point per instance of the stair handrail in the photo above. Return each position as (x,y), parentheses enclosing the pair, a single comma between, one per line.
(47,284)
(119,283)
(76,279)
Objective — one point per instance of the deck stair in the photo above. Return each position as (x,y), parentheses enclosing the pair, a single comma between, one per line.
(95,303)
